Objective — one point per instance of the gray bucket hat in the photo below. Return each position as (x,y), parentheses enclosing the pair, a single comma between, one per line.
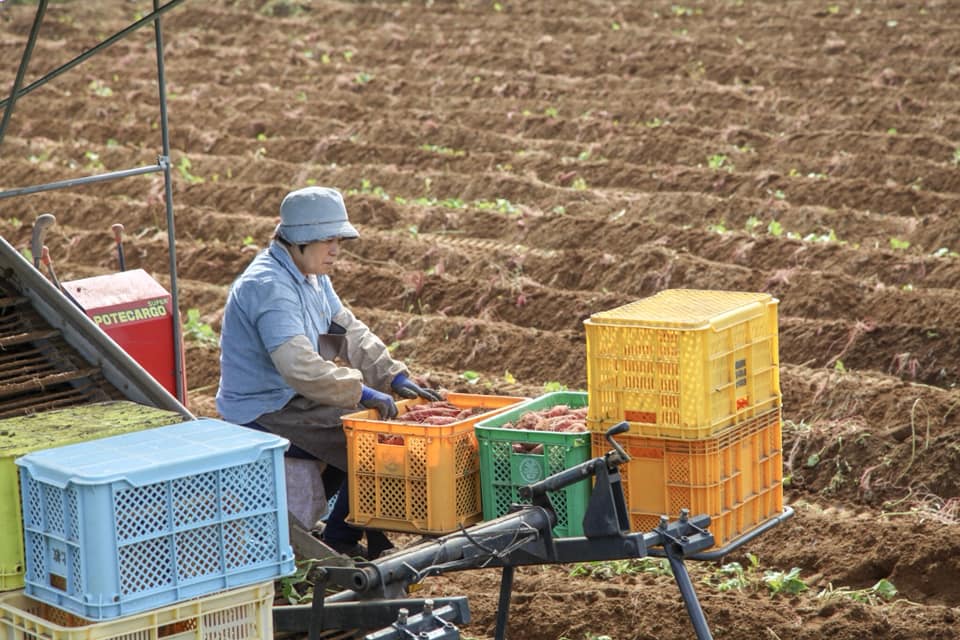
(314,213)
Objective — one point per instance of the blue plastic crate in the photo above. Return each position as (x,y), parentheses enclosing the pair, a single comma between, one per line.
(133,522)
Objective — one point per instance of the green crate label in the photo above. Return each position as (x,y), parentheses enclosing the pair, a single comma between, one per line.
(530,470)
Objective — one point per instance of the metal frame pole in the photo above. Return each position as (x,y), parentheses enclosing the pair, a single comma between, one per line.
(687,592)
(73,182)
(503,604)
(168,197)
(163,162)
(36,84)
(22,70)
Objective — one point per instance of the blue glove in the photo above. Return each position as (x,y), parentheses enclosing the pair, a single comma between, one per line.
(373,399)
(407,388)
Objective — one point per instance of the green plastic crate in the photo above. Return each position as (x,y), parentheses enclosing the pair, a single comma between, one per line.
(45,430)
(503,470)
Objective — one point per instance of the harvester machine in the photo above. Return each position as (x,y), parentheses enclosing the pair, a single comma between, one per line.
(54,355)
(373,594)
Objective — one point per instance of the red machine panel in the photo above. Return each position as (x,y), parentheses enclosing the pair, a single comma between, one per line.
(136,311)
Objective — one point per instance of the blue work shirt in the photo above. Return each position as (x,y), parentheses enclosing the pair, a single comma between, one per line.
(270,303)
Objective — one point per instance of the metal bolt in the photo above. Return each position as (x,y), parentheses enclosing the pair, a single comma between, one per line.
(427,607)
(402,616)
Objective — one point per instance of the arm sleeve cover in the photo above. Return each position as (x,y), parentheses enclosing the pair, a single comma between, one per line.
(315,378)
(366,352)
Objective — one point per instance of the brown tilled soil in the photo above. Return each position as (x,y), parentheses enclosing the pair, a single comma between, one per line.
(514,167)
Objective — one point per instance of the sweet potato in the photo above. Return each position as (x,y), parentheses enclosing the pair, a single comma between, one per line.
(528,448)
(436,413)
(560,418)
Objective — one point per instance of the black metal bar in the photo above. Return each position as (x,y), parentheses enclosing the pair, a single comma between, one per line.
(733,545)
(606,513)
(432,624)
(315,622)
(694,610)
(565,478)
(117,229)
(22,69)
(73,182)
(86,54)
(581,471)
(517,539)
(367,614)
(522,537)
(168,197)
(503,604)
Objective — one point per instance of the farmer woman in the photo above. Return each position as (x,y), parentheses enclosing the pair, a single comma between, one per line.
(285,332)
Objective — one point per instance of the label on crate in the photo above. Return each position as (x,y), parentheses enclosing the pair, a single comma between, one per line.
(58,556)
(530,470)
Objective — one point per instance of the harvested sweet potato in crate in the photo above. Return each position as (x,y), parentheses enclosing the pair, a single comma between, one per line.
(529,442)
(407,475)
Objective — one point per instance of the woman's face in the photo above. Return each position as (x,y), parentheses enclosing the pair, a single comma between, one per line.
(317,257)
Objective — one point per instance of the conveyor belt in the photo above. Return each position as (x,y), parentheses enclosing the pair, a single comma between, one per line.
(39,370)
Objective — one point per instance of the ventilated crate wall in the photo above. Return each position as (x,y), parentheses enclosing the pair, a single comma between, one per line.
(503,470)
(394,483)
(11,529)
(133,522)
(683,363)
(49,429)
(735,477)
(245,613)
(413,477)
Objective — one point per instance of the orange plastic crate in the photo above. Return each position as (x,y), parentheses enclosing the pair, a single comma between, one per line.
(417,478)
(683,363)
(735,477)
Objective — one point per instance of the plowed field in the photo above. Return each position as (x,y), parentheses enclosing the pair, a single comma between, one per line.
(514,167)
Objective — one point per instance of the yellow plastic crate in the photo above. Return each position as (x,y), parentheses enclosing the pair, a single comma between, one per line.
(736,477)
(239,614)
(413,477)
(683,363)
(46,430)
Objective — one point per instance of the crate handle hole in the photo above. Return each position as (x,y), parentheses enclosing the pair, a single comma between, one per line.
(527,448)
(58,582)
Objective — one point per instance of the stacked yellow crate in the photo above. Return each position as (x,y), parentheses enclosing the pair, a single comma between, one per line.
(696,374)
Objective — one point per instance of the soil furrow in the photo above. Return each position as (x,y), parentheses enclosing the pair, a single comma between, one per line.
(513,167)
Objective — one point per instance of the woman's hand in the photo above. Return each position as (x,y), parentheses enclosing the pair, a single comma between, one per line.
(407,388)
